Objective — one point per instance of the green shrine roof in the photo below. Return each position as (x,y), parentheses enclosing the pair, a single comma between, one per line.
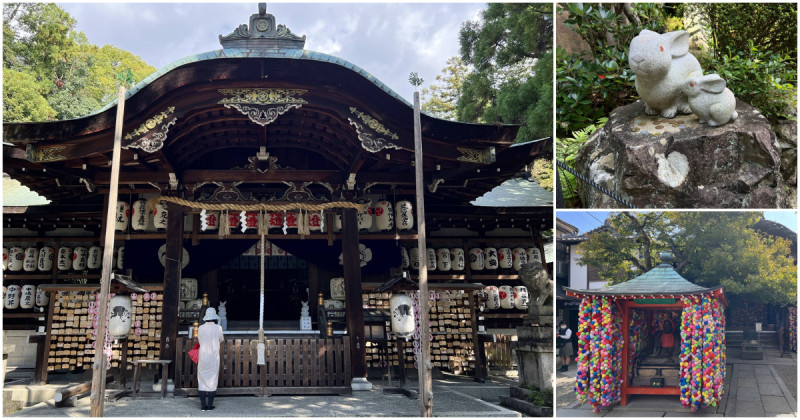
(661,281)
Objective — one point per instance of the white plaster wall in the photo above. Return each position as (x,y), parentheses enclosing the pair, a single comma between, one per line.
(577,273)
(21,354)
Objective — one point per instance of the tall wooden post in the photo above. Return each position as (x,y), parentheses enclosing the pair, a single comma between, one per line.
(351,260)
(98,393)
(424,359)
(172,283)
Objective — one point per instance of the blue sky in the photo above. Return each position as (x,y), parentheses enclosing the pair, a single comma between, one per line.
(588,220)
(389,40)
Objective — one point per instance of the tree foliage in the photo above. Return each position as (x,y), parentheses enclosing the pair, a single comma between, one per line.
(440,98)
(510,49)
(60,66)
(710,249)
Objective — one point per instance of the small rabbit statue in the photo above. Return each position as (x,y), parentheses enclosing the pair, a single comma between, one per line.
(661,63)
(710,99)
(223,315)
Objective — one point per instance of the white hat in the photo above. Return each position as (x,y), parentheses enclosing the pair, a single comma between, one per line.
(211,315)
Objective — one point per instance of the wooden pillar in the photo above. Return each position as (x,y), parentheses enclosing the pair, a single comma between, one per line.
(352,290)
(625,333)
(172,282)
(313,287)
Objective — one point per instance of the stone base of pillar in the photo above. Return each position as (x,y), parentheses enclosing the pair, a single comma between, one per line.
(535,356)
(361,384)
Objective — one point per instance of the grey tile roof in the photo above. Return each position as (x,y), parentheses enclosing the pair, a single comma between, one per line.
(18,195)
(516,192)
(661,280)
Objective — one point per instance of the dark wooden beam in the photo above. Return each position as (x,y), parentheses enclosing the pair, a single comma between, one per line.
(172,282)
(253,176)
(352,274)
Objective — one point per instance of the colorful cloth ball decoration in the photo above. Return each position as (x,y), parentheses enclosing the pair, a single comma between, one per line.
(702,366)
(793,328)
(599,355)
(638,338)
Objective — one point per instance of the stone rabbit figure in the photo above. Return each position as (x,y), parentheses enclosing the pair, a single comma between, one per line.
(710,99)
(662,63)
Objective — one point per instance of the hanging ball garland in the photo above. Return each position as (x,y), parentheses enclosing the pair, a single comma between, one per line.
(702,352)
(599,353)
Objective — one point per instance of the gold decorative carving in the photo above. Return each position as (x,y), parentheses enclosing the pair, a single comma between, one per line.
(153,141)
(263,96)
(44,153)
(150,124)
(485,156)
(373,124)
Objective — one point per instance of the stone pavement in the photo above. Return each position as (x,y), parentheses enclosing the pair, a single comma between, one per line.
(753,389)
(453,397)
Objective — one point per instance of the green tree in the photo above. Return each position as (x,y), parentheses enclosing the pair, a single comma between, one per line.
(73,76)
(440,98)
(509,49)
(22,98)
(710,249)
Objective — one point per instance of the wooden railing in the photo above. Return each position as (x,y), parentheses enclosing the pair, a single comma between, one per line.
(293,366)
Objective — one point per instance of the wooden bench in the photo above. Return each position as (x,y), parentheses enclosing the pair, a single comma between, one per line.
(137,375)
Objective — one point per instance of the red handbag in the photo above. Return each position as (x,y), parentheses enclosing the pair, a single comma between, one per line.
(194,353)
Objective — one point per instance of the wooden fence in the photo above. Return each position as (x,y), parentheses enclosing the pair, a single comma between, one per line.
(499,353)
(293,366)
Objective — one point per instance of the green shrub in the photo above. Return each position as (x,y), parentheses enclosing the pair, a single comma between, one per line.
(566,151)
(770,26)
(538,397)
(761,78)
(589,88)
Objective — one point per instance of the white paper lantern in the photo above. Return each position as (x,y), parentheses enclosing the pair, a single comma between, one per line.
(123,215)
(15,257)
(120,316)
(5,258)
(31,259)
(315,221)
(79,257)
(402,307)
(120,257)
(431,259)
(413,256)
(457,259)
(534,255)
(443,259)
(504,256)
(506,297)
(405,262)
(365,217)
(95,258)
(46,259)
(210,221)
(491,261)
(160,216)
(64,262)
(404,215)
(27,296)
(11,300)
(476,259)
(337,288)
(188,289)
(521,298)
(492,297)
(42,298)
(384,216)
(519,257)
(139,215)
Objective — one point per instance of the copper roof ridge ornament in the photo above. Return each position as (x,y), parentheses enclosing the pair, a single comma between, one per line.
(262,33)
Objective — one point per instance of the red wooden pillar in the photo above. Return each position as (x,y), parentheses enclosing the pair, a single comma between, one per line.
(351,260)
(172,283)
(625,340)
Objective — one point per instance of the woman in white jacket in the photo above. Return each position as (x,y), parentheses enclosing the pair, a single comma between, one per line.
(210,336)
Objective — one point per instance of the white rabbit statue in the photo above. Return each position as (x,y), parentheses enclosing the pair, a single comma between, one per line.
(223,315)
(661,63)
(710,99)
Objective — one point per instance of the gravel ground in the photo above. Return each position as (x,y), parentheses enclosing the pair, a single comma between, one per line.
(789,378)
(565,395)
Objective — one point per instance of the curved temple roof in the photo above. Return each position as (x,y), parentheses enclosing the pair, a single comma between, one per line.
(262,110)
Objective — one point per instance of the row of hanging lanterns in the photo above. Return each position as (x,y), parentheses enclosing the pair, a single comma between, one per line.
(80,258)
(506,297)
(446,259)
(381,217)
(25,296)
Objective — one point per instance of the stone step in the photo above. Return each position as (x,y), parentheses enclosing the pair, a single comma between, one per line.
(525,407)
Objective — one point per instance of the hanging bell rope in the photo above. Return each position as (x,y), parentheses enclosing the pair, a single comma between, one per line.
(261,345)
